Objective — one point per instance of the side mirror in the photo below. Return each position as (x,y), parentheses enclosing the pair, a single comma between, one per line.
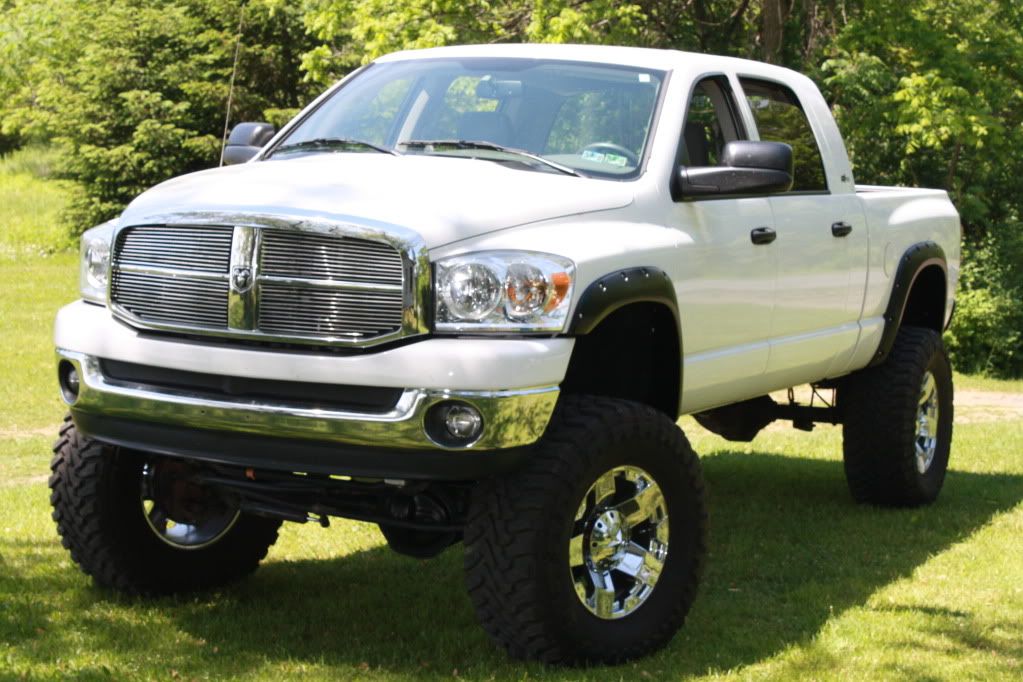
(745,168)
(245,141)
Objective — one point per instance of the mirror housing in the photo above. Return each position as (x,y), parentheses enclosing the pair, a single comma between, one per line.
(245,141)
(746,168)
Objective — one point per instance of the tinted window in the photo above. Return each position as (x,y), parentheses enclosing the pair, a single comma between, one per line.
(780,118)
(709,124)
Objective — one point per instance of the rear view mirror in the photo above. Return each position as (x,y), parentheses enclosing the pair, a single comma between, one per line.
(245,141)
(746,168)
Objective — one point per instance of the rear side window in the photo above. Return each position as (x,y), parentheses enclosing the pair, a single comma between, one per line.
(780,118)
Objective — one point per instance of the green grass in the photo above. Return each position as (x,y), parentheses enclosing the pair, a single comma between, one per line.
(982,383)
(32,204)
(801,582)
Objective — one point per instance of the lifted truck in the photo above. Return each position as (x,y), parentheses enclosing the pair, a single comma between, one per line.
(465,295)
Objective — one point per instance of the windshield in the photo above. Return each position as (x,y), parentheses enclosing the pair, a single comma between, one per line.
(590,118)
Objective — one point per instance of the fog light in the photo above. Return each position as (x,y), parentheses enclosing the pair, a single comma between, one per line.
(454,424)
(463,422)
(70,383)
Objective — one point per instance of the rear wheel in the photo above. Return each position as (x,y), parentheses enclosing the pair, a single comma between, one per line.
(593,551)
(143,524)
(897,429)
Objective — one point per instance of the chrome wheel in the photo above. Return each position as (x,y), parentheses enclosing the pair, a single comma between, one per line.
(926,440)
(181,512)
(619,542)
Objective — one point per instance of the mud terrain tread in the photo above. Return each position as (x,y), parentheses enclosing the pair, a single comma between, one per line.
(85,496)
(503,554)
(878,406)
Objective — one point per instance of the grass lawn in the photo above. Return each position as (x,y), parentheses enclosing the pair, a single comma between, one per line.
(801,582)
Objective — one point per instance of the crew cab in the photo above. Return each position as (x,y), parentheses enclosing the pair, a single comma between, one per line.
(466,295)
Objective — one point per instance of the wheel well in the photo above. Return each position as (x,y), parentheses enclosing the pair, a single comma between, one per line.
(925,306)
(634,354)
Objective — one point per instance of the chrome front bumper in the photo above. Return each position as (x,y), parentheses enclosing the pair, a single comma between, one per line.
(511,418)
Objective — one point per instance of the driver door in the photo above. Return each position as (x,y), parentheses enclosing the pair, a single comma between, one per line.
(726,294)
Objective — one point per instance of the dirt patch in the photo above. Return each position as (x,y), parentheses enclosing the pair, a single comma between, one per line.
(23,480)
(971,406)
(28,433)
(987,406)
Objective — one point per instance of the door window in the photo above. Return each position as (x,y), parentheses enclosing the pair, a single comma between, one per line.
(709,123)
(780,118)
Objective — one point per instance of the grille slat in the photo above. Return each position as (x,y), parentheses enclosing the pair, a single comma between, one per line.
(320,305)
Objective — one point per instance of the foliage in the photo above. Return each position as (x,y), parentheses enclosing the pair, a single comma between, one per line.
(929,93)
(144,99)
(987,330)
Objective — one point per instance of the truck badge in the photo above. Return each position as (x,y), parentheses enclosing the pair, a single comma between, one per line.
(241,278)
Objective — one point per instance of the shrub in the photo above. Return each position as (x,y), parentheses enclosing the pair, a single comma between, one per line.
(986,335)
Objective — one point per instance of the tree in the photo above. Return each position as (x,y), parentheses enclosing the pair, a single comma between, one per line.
(144,99)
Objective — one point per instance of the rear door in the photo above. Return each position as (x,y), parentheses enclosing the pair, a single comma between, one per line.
(820,235)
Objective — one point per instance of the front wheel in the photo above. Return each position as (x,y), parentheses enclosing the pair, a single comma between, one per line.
(591,553)
(143,524)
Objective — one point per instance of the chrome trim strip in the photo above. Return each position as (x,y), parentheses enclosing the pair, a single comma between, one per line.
(409,244)
(329,283)
(511,418)
(173,272)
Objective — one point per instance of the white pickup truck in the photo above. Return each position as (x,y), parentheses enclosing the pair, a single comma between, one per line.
(465,295)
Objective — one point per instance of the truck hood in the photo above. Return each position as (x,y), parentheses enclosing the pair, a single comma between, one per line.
(444,199)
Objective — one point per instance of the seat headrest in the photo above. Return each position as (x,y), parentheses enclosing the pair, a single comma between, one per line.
(697,148)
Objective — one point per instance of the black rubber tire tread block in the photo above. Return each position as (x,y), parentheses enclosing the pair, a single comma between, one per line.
(94,493)
(516,538)
(879,407)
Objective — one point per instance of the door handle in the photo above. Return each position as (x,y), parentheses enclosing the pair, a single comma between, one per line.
(763,235)
(841,228)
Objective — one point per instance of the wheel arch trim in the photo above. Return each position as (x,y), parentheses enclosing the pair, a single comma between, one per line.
(618,289)
(915,260)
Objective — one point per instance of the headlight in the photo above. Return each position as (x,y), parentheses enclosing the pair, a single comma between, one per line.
(503,291)
(95,265)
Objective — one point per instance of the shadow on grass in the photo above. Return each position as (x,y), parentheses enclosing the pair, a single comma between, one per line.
(788,551)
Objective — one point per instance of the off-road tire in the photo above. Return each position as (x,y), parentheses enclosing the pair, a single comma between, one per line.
(879,407)
(516,538)
(98,511)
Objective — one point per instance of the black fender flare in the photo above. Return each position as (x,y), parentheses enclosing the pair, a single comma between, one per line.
(618,289)
(917,257)
(615,290)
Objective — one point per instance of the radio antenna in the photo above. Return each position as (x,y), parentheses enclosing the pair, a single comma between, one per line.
(230,88)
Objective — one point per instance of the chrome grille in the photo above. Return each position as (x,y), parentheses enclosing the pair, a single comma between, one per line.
(206,249)
(313,256)
(285,309)
(156,298)
(307,286)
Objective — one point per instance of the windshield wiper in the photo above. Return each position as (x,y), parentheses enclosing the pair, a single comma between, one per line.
(333,143)
(490,146)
